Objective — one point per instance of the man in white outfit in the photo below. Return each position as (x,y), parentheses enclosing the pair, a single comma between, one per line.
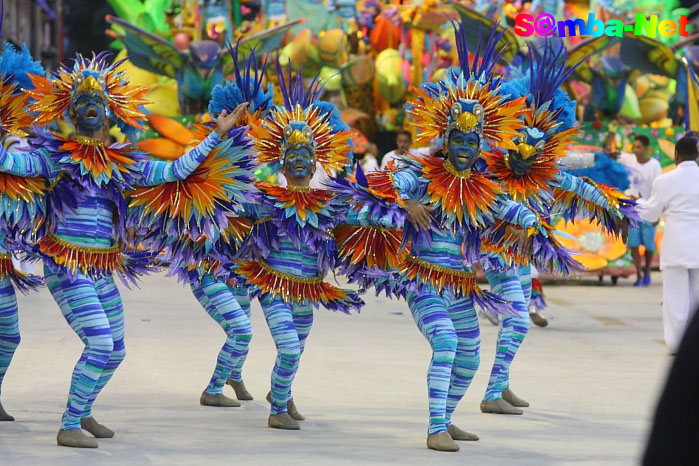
(676,196)
(403,142)
(644,170)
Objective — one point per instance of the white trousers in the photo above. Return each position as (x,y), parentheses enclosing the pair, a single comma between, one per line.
(680,301)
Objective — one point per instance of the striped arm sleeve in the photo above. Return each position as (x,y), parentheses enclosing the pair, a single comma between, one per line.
(570,183)
(158,172)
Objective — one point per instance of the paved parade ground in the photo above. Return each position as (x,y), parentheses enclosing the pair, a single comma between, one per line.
(592,378)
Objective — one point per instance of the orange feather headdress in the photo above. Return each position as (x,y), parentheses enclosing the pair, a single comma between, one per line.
(54,97)
(301,122)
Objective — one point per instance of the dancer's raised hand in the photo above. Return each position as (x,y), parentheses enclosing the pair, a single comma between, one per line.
(226,121)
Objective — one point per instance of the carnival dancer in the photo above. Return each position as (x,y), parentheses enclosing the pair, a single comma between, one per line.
(450,200)
(290,247)
(530,176)
(200,216)
(18,208)
(85,228)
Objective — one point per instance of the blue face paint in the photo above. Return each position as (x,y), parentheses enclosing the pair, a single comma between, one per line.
(519,165)
(299,163)
(463,149)
(89,111)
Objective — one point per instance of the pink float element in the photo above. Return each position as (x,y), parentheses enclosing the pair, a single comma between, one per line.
(181,40)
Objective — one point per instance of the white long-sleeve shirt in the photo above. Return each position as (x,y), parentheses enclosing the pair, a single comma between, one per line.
(641,175)
(675,195)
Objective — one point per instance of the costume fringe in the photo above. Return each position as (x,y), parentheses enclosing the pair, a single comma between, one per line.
(537,299)
(572,206)
(22,281)
(96,262)
(292,289)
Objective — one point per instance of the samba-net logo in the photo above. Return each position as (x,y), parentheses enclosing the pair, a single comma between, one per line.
(545,25)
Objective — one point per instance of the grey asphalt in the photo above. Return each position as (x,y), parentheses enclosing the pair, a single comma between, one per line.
(592,378)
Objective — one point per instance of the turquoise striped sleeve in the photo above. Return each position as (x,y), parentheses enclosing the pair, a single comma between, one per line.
(34,163)
(407,184)
(365,217)
(568,182)
(512,212)
(158,172)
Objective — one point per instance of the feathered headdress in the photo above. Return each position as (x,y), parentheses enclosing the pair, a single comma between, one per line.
(300,123)
(470,100)
(55,96)
(15,68)
(246,87)
(549,125)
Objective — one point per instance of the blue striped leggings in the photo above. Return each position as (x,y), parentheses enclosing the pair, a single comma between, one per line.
(514,285)
(94,311)
(290,325)
(219,301)
(9,326)
(241,295)
(451,327)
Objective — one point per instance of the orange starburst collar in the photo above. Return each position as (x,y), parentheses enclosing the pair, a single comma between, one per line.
(464,197)
(102,163)
(304,202)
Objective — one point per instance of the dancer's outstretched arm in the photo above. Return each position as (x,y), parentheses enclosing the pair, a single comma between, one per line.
(158,171)
(515,213)
(33,163)
(585,190)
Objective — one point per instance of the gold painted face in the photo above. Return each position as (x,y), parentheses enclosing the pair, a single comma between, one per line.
(526,150)
(90,85)
(467,116)
(297,138)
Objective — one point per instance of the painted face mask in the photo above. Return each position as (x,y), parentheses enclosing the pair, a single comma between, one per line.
(463,134)
(89,103)
(463,149)
(298,149)
(530,143)
(299,163)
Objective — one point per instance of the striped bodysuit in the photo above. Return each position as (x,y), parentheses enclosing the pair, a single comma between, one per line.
(285,258)
(446,316)
(514,283)
(88,224)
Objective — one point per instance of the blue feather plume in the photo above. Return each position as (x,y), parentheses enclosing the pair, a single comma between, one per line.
(547,70)
(246,87)
(483,61)
(294,91)
(17,64)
